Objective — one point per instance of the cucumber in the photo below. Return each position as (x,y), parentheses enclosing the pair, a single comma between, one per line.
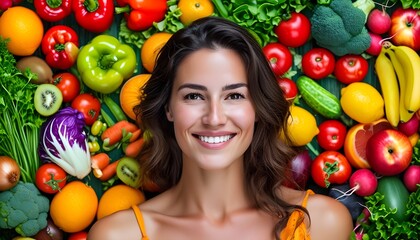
(318,98)
(395,196)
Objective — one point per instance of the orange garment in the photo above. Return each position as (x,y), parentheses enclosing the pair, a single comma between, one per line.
(295,228)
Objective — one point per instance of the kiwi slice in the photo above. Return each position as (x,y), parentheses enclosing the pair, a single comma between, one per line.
(128,171)
(47,99)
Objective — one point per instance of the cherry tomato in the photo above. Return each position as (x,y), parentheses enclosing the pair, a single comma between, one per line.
(50,178)
(82,235)
(68,84)
(330,167)
(279,56)
(289,88)
(351,68)
(332,134)
(318,63)
(89,105)
(295,31)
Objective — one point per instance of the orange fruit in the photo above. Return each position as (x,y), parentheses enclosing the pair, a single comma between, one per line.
(24,28)
(118,197)
(151,47)
(356,139)
(74,208)
(130,93)
(192,10)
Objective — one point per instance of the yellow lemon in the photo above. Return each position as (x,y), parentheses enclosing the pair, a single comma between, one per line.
(302,127)
(362,102)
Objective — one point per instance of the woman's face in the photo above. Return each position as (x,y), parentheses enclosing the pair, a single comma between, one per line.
(211,108)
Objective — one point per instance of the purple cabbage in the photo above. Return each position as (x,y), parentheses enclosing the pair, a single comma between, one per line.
(63,141)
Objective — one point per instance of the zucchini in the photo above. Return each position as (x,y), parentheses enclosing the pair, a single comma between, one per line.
(318,98)
(395,196)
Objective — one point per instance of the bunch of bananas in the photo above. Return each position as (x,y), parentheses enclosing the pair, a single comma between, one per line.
(398,72)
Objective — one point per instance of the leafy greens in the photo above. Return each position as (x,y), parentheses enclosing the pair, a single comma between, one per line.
(19,121)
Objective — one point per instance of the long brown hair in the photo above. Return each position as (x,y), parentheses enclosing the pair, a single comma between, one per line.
(267,158)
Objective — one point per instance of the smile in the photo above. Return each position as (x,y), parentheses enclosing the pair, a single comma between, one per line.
(217,139)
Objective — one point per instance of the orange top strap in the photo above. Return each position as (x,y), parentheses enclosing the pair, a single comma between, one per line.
(296,228)
(140,222)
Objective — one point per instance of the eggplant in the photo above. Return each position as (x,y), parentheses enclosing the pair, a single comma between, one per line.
(354,203)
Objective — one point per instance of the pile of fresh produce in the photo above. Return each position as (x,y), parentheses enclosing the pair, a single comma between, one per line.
(71,73)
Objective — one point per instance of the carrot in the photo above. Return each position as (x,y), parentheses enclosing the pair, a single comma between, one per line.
(113,134)
(135,136)
(99,162)
(109,171)
(133,148)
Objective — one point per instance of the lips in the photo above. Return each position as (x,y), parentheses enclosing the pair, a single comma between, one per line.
(215,139)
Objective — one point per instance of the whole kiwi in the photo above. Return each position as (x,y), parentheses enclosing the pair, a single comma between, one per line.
(36,65)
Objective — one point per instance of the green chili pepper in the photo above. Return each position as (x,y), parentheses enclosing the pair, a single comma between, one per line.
(105,63)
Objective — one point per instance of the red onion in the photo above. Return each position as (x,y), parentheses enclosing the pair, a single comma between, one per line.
(9,173)
(300,167)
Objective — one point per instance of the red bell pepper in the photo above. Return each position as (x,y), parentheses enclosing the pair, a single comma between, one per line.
(94,15)
(53,10)
(141,14)
(60,45)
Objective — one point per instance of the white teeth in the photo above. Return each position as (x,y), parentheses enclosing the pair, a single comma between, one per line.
(218,139)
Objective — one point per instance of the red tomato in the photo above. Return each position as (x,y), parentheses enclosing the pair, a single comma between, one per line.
(82,235)
(50,178)
(330,167)
(89,105)
(318,63)
(289,88)
(279,56)
(68,84)
(295,31)
(332,134)
(351,68)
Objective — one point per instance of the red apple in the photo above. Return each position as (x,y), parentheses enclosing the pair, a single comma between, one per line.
(289,88)
(410,127)
(405,28)
(389,152)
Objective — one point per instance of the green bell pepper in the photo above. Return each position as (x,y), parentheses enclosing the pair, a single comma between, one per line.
(105,63)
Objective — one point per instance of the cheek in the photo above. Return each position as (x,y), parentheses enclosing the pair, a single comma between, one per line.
(244,116)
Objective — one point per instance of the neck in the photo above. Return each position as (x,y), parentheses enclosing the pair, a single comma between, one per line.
(214,194)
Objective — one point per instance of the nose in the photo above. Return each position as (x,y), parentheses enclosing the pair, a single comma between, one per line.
(215,114)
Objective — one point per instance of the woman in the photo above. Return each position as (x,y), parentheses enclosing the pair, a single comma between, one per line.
(215,111)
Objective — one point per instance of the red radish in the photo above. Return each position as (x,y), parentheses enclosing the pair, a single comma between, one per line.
(375,44)
(378,21)
(364,182)
(410,127)
(412,177)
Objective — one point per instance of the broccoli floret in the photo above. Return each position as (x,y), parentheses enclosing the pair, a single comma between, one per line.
(340,27)
(24,209)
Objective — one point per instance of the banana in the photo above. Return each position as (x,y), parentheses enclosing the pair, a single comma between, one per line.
(389,87)
(410,62)
(405,115)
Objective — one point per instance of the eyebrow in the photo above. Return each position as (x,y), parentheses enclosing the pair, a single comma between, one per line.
(203,88)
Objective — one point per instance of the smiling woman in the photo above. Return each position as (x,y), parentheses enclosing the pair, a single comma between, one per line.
(214,108)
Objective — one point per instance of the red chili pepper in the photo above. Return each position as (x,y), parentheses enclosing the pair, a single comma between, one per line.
(60,45)
(140,14)
(53,10)
(94,15)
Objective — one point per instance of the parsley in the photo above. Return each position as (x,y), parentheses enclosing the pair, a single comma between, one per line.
(19,122)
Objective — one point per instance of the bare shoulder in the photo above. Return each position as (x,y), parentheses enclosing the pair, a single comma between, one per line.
(112,227)
(330,219)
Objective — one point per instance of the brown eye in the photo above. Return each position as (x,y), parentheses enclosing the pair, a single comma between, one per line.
(193,96)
